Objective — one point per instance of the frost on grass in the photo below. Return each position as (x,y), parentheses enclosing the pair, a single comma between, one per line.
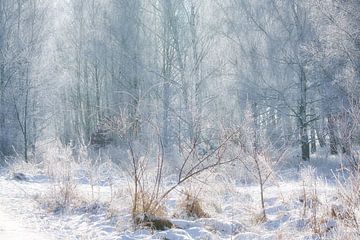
(80,199)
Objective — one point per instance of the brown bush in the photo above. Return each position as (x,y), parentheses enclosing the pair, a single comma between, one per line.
(145,204)
(191,206)
(153,222)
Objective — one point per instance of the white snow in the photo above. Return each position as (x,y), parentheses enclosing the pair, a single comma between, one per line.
(12,228)
(17,219)
(233,208)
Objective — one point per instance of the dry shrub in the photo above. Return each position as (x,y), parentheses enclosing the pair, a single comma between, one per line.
(60,201)
(153,222)
(61,196)
(347,209)
(345,235)
(150,213)
(16,165)
(315,211)
(60,167)
(145,203)
(259,218)
(344,214)
(191,206)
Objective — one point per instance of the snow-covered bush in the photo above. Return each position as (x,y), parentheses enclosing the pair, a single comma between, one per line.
(347,211)
(315,212)
(310,199)
(60,167)
(17,165)
(259,155)
(191,206)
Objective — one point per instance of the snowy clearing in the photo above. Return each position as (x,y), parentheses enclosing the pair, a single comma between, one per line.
(11,228)
(18,218)
(233,208)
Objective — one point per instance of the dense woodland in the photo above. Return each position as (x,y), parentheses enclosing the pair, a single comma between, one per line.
(180,74)
(180,119)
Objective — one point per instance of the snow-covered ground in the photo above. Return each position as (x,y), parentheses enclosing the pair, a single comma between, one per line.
(11,228)
(19,214)
(233,207)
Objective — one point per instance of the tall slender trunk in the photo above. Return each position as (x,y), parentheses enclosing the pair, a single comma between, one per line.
(166,112)
(2,108)
(79,105)
(2,84)
(180,55)
(313,132)
(26,108)
(97,92)
(166,71)
(346,133)
(319,130)
(87,104)
(332,134)
(303,124)
(196,74)
(256,151)
(34,130)
(313,139)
